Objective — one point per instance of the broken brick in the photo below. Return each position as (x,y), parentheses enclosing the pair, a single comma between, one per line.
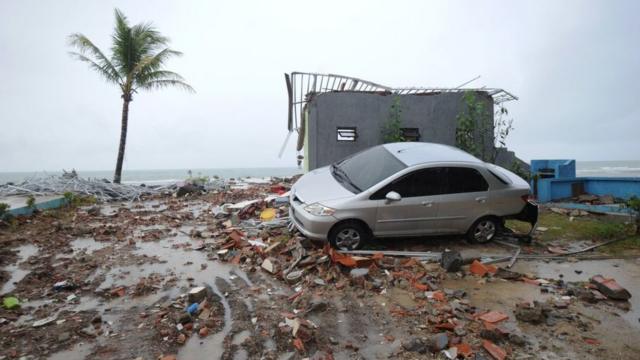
(298,344)
(464,349)
(362,261)
(421,287)
(446,326)
(119,291)
(438,295)
(494,350)
(591,341)
(236,235)
(204,331)
(491,269)
(610,288)
(494,317)
(478,268)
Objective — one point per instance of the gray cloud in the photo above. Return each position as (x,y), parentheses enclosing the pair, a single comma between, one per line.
(574,65)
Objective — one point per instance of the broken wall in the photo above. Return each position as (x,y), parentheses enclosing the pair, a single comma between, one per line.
(434,115)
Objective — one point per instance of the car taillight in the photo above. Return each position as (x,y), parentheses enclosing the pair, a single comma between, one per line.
(527,198)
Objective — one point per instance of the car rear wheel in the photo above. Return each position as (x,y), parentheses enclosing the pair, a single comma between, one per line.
(348,236)
(483,230)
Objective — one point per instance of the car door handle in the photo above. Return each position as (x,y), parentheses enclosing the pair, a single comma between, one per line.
(427,203)
(481,199)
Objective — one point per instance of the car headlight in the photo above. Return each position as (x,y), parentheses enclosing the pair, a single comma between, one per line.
(319,210)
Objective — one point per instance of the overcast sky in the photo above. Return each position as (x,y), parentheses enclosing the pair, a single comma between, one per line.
(575,66)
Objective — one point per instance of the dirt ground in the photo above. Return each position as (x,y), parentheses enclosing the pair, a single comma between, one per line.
(111,281)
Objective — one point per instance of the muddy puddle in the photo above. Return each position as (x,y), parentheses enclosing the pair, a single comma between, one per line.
(625,272)
(213,344)
(616,328)
(16,271)
(173,258)
(79,351)
(111,209)
(88,245)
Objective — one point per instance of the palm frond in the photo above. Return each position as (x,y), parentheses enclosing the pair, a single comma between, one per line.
(86,47)
(161,84)
(138,55)
(133,43)
(100,69)
(123,54)
(147,39)
(150,64)
(158,75)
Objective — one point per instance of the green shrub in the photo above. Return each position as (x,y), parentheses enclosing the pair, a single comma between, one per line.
(31,202)
(634,203)
(392,129)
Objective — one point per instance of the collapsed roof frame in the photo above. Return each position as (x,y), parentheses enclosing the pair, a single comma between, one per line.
(300,85)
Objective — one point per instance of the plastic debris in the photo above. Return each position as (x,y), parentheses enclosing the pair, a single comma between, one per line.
(192,309)
(268,214)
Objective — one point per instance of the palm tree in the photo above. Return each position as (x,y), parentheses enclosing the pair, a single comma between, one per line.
(138,54)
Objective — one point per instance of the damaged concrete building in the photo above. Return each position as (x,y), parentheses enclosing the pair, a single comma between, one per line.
(336,116)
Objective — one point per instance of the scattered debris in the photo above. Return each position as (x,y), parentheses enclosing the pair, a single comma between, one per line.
(610,288)
(451,261)
(494,350)
(177,271)
(494,317)
(532,313)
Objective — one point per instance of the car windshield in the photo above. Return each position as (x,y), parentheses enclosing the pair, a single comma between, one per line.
(361,171)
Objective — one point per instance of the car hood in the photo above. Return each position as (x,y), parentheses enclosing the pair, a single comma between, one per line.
(319,186)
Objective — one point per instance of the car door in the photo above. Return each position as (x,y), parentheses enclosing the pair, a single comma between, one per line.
(465,200)
(416,212)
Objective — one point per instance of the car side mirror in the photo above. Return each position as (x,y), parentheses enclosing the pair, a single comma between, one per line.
(393,196)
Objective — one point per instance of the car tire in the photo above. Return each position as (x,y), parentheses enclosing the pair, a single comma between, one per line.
(350,235)
(483,230)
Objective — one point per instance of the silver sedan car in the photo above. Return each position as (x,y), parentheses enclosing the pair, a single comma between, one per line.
(408,189)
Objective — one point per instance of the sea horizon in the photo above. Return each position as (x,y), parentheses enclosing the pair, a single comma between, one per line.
(155,176)
(617,168)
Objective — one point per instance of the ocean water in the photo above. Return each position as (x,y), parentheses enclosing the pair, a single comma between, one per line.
(584,168)
(157,176)
(609,168)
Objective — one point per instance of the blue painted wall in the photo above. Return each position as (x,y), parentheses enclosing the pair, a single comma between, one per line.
(560,185)
(562,168)
(45,205)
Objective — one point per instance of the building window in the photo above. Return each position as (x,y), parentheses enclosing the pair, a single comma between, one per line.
(347,134)
(410,134)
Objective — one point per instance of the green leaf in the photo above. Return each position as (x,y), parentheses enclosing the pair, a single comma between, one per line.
(10,302)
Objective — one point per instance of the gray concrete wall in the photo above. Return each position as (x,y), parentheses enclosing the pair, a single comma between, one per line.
(435,115)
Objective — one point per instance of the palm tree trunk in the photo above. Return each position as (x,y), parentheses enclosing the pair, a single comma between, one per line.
(123,138)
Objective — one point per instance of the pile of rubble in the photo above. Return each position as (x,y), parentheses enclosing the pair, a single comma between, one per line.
(248,226)
(103,190)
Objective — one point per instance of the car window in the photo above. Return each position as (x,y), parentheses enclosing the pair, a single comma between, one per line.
(498,177)
(464,180)
(369,167)
(424,182)
(499,174)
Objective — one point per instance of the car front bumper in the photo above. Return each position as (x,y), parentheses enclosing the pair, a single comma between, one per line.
(311,226)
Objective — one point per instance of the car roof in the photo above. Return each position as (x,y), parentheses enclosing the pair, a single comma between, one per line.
(415,153)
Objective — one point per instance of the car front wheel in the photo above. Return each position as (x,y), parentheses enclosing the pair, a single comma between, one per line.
(483,230)
(348,236)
